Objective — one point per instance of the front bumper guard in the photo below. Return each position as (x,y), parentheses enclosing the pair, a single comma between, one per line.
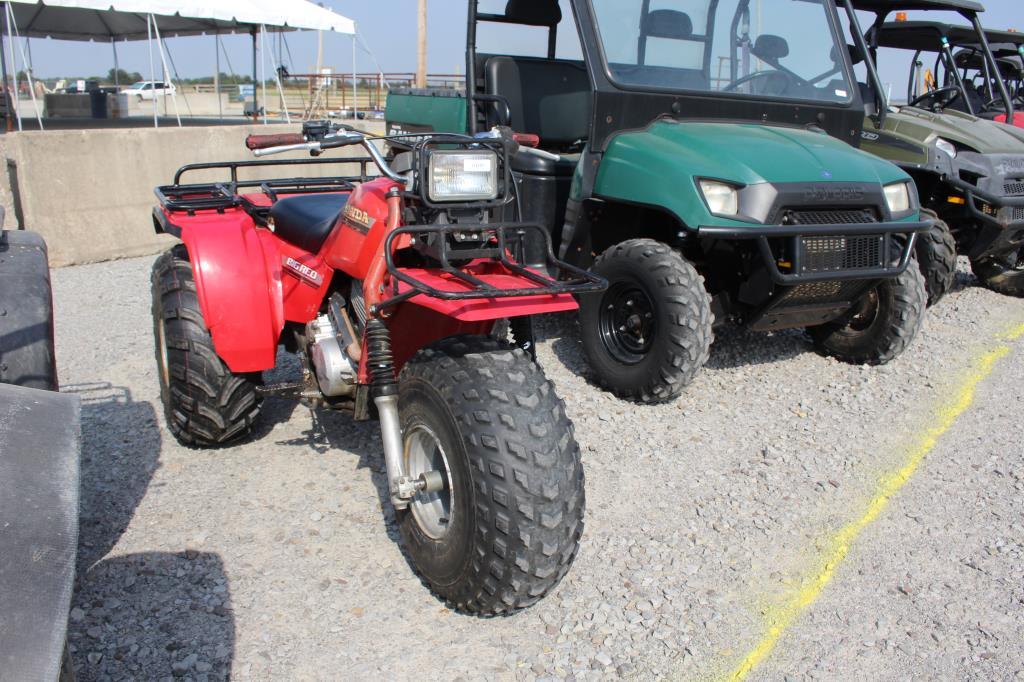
(998,236)
(763,233)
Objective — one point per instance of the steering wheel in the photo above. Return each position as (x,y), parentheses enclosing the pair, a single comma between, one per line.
(777,76)
(997,102)
(940,98)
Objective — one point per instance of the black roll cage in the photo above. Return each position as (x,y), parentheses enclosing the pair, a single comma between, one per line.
(472,97)
(636,107)
(870,53)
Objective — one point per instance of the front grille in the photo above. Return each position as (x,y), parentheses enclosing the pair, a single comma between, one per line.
(1014,188)
(829,254)
(823,292)
(846,216)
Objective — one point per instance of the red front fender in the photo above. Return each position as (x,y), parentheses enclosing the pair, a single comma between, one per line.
(237,270)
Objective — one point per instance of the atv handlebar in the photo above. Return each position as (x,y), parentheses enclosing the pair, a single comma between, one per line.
(342,138)
(265,141)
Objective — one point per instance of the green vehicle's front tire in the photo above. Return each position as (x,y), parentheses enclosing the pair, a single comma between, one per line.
(1003,274)
(650,332)
(880,325)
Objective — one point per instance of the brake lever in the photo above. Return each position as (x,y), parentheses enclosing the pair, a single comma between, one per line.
(312,147)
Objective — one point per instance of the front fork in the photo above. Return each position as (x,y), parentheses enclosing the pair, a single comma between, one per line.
(401,486)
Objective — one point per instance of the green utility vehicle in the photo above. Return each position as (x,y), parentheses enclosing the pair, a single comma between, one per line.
(969,171)
(697,158)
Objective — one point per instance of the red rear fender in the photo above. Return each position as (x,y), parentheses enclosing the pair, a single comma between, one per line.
(237,269)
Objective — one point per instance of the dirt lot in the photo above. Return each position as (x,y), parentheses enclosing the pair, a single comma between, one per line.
(718,526)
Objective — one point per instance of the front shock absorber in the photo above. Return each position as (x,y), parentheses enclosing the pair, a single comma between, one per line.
(384,389)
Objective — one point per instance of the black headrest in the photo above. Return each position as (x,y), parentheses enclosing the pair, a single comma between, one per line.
(855,54)
(852,50)
(667,23)
(768,46)
(534,12)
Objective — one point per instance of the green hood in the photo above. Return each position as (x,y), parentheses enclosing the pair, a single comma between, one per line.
(752,153)
(658,166)
(920,127)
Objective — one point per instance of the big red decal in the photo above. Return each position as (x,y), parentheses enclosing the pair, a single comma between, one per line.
(303,272)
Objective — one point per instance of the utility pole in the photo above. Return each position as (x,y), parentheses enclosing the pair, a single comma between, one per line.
(421,61)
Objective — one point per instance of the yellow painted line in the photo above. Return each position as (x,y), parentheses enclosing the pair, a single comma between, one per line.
(838,546)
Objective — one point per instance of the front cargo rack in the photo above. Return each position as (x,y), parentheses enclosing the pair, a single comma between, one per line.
(224,195)
(498,244)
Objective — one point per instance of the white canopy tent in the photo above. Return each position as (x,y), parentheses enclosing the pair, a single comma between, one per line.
(116,20)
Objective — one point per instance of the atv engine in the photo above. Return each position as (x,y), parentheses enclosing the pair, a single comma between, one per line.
(335,370)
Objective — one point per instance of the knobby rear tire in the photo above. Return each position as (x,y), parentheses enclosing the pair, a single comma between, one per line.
(515,474)
(204,402)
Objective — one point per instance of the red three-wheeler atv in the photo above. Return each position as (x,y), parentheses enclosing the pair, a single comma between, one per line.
(389,289)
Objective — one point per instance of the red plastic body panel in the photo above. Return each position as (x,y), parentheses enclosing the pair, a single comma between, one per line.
(238,280)
(1018,118)
(355,244)
(414,327)
(245,292)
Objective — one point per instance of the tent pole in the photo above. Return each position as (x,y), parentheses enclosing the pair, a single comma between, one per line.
(14,63)
(280,84)
(117,67)
(216,76)
(355,92)
(255,76)
(152,67)
(7,93)
(27,62)
(166,73)
(263,69)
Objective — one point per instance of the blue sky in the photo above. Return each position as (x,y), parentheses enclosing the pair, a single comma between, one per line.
(388,28)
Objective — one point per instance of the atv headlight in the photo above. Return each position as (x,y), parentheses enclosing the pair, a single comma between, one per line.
(897,195)
(465,175)
(722,199)
(946,146)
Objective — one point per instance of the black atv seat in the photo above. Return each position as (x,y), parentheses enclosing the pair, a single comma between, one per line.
(307,220)
(546,97)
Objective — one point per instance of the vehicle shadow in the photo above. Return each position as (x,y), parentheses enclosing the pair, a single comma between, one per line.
(733,347)
(135,616)
(120,453)
(334,431)
(153,615)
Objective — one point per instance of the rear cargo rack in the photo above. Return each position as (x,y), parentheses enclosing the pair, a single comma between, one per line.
(568,279)
(224,195)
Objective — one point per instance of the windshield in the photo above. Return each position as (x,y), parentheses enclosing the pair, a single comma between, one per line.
(767,48)
(137,86)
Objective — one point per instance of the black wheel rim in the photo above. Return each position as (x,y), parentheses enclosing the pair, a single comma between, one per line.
(865,312)
(627,322)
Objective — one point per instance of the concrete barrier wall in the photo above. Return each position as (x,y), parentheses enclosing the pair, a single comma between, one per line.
(90,192)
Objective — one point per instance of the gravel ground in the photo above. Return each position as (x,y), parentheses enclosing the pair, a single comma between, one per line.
(272,559)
